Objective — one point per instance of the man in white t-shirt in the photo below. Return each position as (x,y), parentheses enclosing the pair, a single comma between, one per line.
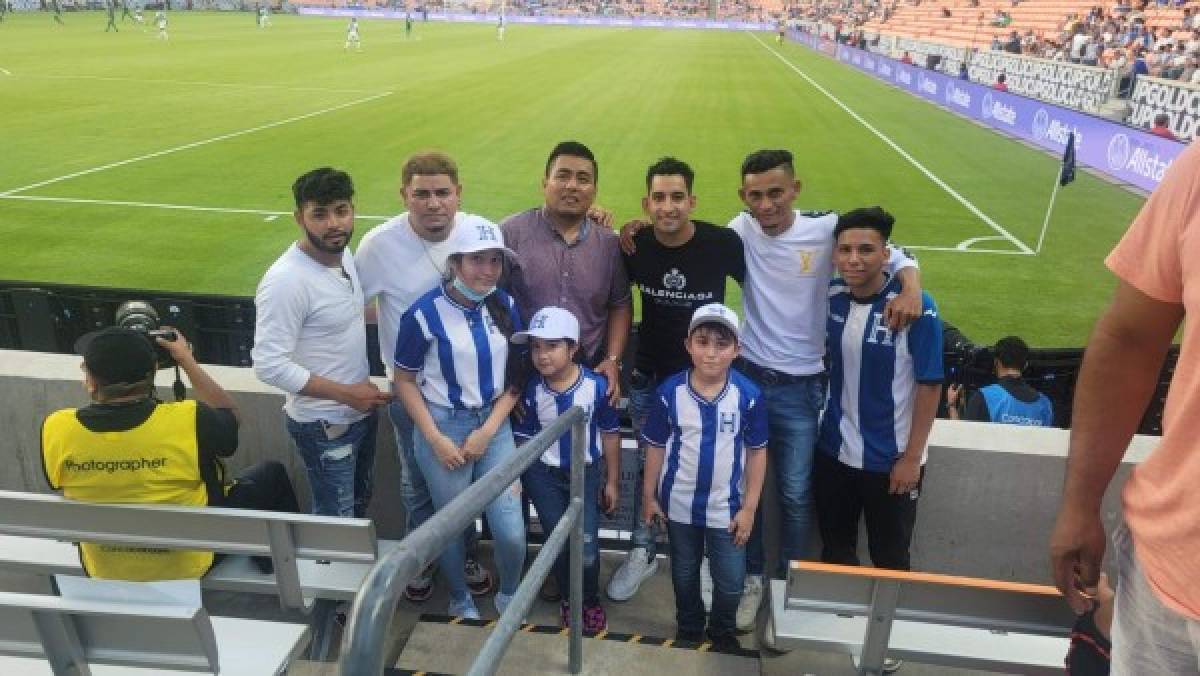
(789,265)
(310,341)
(398,262)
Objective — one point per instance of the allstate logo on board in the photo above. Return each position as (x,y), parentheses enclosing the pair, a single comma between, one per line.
(1118,151)
(1041,124)
(926,85)
(987,106)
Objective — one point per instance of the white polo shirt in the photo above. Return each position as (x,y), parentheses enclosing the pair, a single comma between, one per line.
(309,321)
(786,294)
(397,267)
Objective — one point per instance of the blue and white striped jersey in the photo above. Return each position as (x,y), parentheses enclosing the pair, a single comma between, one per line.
(542,405)
(873,376)
(702,478)
(459,351)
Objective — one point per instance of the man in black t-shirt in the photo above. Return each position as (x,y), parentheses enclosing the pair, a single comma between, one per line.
(679,264)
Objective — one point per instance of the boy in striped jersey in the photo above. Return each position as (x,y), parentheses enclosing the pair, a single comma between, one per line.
(884,388)
(706,438)
(553,336)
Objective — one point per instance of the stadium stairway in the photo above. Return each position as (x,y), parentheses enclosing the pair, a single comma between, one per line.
(542,649)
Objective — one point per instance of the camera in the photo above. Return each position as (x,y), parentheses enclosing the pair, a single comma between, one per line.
(966,363)
(140,316)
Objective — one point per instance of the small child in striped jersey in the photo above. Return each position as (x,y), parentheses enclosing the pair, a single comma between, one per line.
(706,439)
(553,336)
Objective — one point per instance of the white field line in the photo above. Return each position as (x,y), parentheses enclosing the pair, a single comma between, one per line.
(194,144)
(911,160)
(197,83)
(966,244)
(954,249)
(270,215)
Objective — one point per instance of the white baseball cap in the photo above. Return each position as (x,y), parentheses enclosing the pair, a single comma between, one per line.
(550,323)
(475,233)
(715,313)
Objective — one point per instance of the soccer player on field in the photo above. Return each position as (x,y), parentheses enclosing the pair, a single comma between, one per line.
(884,389)
(160,21)
(352,35)
(57,7)
(111,9)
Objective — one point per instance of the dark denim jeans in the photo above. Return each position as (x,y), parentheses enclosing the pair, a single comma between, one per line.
(341,471)
(549,488)
(641,399)
(689,545)
(793,409)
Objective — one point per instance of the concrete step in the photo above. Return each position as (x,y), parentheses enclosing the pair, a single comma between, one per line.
(449,645)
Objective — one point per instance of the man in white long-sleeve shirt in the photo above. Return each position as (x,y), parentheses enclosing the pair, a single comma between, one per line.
(310,342)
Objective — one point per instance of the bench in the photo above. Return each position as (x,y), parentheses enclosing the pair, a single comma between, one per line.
(870,614)
(319,561)
(42,634)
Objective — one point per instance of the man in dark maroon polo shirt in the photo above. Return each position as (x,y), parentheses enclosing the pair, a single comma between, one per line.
(566,259)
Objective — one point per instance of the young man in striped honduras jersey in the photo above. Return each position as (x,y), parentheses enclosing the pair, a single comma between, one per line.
(706,438)
(884,388)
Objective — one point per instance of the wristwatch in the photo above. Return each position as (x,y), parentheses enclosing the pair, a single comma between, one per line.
(616,359)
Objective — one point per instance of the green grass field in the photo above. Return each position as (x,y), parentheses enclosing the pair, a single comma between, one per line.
(102,133)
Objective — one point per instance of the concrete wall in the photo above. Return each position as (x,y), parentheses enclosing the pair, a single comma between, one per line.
(989,501)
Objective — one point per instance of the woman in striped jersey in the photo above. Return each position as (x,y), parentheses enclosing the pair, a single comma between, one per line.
(454,376)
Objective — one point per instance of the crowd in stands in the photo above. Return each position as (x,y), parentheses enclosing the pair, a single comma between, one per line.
(1117,38)
(1161,39)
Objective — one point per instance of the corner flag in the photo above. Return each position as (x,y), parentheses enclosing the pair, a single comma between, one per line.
(1068,162)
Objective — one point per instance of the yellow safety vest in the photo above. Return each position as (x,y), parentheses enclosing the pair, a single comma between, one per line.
(155,462)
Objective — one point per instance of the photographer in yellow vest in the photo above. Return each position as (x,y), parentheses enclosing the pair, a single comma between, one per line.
(127,446)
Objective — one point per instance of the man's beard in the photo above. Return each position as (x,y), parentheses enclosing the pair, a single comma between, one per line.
(320,244)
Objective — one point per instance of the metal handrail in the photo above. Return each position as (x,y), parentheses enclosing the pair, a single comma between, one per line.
(375,602)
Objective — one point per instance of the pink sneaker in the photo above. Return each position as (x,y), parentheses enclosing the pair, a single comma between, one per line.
(594,619)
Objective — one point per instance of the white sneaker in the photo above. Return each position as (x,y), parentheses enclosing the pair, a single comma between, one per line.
(638,567)
(465,609)
(752,596)
(768,637)
(706,585)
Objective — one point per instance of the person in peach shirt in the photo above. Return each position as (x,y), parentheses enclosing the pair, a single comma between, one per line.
(1156,626)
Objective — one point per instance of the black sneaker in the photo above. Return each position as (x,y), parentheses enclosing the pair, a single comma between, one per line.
(725,643)
(696,637)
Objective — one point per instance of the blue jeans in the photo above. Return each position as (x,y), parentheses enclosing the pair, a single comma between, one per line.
(414,492)
(549,488)
(689,545)
(641,400)
(503,513)
(792,413)
(341,471)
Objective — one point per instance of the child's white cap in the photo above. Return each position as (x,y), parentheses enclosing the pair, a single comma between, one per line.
(550,323)
(715,313)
